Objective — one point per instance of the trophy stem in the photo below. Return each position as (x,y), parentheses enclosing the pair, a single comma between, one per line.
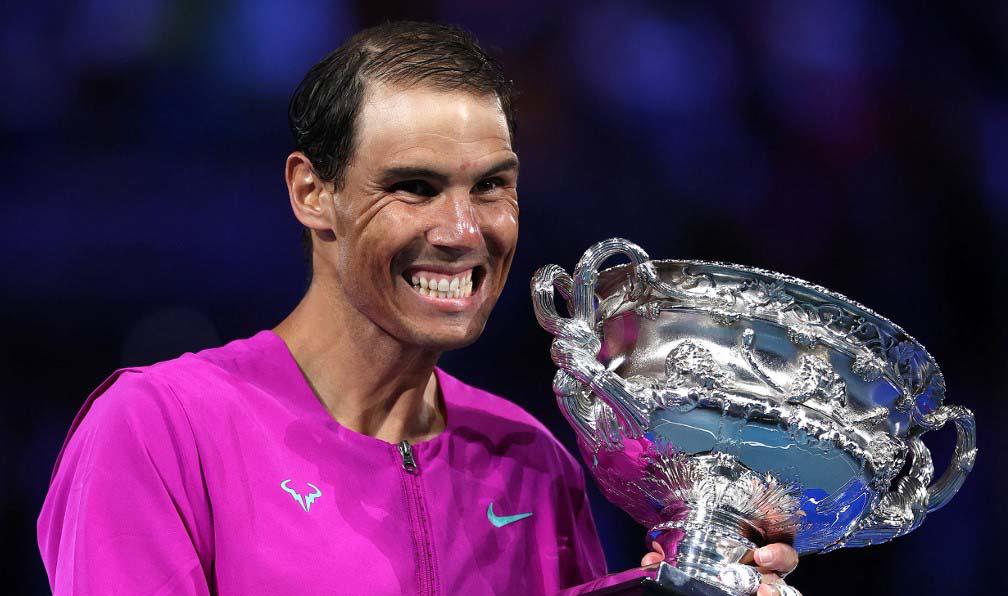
(707,543)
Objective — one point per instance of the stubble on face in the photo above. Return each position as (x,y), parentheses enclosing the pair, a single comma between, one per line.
(430,193)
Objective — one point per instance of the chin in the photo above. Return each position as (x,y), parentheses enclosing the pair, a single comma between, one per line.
(447,339)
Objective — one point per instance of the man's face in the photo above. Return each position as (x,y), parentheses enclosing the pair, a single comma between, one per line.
(426,223)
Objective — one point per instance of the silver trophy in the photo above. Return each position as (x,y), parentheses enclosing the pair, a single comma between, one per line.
(725,407)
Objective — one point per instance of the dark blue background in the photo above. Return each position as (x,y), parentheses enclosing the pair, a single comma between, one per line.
(861,145)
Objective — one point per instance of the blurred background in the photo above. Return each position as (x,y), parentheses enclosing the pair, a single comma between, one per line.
(859,144)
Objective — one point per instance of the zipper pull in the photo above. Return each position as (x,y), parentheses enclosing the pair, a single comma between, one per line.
(406,451)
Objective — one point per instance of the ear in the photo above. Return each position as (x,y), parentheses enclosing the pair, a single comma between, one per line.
(310,196)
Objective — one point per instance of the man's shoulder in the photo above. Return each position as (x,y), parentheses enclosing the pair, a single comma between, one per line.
(499,418)
(474,401)
(149,403)
(235,362)
(181,383)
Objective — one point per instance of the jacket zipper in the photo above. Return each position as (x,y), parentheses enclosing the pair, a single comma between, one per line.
(419,521)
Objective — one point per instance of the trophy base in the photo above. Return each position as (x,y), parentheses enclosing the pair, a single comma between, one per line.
(669,581)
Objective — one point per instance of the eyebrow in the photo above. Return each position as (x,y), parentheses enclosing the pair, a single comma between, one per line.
(407,172)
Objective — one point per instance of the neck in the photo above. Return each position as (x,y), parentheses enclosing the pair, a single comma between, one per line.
(369,382)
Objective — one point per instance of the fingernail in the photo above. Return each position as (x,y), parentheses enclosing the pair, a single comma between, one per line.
(764,556)
(773,591)
(657,548)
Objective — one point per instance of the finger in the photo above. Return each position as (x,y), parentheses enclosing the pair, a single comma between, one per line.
(657,555)
(739,578)
(776,558)
(770,579)
(656,547)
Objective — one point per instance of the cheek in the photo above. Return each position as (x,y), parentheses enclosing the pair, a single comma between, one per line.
(499,223)
(390,239)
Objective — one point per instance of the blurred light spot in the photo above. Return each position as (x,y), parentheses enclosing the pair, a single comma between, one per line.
(822,35)
(112,32)
(672,86)
(640,61)
(268,46)
(822,57)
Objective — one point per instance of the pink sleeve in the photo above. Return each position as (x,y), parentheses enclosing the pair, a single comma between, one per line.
(127,511)
(608,581)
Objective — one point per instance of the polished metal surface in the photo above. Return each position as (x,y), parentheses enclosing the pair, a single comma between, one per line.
(726,407)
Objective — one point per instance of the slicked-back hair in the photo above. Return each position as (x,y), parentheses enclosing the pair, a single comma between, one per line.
(323,110)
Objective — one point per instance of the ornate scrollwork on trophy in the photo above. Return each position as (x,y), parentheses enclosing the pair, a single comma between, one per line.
(730,406)
(691,365)
(816,379)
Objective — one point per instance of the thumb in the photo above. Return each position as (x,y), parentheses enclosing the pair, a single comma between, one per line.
(654,557)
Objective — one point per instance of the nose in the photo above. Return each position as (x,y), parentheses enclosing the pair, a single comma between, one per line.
(456,227)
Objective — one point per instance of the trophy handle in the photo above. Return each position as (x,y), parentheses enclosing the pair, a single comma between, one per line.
(585,306)
(577,344)
(568,389)
(943,489)
(903,508)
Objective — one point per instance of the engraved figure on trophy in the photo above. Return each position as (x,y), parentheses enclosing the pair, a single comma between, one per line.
(726,407)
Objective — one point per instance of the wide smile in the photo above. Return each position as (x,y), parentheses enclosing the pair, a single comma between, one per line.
(446,287)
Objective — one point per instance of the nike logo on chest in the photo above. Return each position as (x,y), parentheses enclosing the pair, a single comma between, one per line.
(499,521)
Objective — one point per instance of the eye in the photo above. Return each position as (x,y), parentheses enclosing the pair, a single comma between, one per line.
(414,187)
(488,185)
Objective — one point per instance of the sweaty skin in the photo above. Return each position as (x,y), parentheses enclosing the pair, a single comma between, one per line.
(431,189)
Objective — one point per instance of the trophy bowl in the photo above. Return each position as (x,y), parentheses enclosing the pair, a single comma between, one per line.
(726,407)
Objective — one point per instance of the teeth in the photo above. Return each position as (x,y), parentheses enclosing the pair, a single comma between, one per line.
(460,286)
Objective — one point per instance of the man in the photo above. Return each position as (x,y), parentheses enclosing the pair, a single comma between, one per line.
(330,455)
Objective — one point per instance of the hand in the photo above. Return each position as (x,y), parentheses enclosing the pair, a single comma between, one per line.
(774,561)
(654,557)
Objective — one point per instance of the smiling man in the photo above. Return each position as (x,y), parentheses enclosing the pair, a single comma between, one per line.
(330,455)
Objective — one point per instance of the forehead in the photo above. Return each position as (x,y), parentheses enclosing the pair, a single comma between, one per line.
(419,122)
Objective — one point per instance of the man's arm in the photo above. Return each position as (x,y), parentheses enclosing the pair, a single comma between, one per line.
(127,511)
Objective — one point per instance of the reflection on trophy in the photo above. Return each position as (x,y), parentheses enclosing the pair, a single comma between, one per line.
(725,407)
